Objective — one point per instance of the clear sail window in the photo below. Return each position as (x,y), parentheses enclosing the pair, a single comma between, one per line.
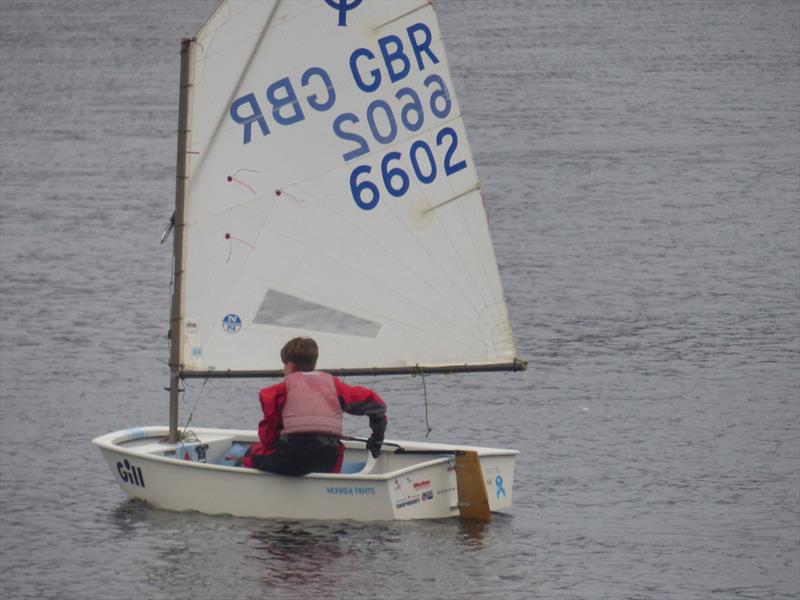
(285,310)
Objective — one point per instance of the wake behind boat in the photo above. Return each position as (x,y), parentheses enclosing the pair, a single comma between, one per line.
(325,188)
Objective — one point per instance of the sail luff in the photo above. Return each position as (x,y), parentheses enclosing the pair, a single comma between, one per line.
(176,316)
(232,94)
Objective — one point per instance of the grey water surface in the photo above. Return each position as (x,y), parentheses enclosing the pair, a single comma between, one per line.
(640,163)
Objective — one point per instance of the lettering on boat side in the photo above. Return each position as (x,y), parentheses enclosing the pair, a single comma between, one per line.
(351,491)
(424,496)
(130,473)
(405,502)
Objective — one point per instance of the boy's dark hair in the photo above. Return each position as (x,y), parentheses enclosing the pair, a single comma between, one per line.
(303,352)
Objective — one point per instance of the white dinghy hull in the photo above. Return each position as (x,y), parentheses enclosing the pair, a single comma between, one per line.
(419,482)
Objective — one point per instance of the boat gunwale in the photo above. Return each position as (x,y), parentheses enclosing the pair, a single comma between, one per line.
(113,442)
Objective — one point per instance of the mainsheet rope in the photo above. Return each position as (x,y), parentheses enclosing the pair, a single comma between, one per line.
(421,372)
(196,402)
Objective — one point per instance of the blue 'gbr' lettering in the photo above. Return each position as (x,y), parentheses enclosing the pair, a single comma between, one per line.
(286,107)
(395,59)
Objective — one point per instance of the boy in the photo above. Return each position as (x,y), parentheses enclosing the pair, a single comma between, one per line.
(302,422)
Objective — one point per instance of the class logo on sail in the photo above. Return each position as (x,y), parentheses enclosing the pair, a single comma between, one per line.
(343,6)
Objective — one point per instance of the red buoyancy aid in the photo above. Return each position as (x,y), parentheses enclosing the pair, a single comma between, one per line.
(312,405)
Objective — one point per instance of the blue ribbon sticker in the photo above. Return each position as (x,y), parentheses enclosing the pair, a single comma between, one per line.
(499,483)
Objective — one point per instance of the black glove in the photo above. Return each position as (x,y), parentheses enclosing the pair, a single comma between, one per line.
(374,445)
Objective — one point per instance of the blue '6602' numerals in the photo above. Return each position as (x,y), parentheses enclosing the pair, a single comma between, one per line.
(382,121)
(396,180)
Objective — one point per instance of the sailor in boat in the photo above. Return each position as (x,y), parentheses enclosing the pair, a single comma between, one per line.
(302,423)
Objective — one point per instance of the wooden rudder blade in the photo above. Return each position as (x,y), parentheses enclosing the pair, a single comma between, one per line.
(473,502)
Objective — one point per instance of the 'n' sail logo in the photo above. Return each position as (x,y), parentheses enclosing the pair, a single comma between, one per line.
(232,323)
(343,6)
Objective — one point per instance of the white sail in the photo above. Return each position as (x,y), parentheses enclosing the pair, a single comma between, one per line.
(331,193)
